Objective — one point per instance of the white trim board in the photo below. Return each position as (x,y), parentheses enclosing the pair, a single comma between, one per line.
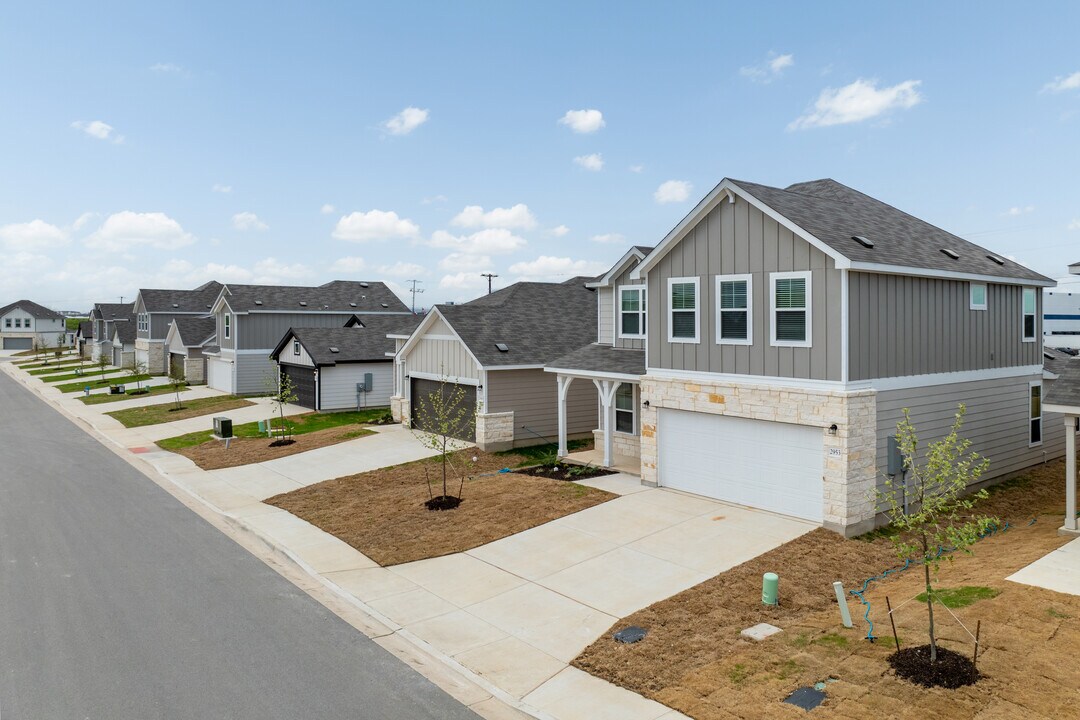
(439,378)
(589,375)
(946,274)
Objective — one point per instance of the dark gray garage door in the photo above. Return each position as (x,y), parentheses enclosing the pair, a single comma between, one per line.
(422,406)
(176,365)
(303,380)
(18,343)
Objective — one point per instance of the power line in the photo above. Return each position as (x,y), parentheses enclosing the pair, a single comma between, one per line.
(489,276)
(415,290)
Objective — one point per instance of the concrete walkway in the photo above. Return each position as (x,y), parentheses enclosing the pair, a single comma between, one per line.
(1058,570)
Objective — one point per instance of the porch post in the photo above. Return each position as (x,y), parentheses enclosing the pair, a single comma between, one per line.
(1070,472)
(606,389)
(564,387)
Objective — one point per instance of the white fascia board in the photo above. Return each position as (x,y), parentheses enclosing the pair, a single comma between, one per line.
(1061,409)
(947,274)
(590,374)
(422,329)
(617,269)
(440,378)
(729,190)
(494,368)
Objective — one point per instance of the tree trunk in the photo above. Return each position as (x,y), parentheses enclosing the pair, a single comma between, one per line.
(929,600)
(444,459)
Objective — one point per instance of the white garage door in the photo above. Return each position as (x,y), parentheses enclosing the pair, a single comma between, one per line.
(219,375)
(768,465)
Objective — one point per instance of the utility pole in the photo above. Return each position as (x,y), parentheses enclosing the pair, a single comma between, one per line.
(414,290)
(489,276)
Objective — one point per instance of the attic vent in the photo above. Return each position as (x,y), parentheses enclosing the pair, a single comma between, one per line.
(950,253)
(364,285)
(334,350)
(175,305)
(352,304)
(385,305)
(502,347)
(303,304)
(257,302)
(862,241)
(996,259)
(325,307)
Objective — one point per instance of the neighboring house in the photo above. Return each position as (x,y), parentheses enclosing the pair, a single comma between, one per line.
(84,338)
(156,309)
(346,368)
(492,352)
(185,342)
(105,317)
(1061,312)
(123,343)
(25,325)
(1063,398)
(251,320)
(785,330)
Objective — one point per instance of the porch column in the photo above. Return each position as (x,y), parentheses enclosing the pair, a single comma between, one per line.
(1070,472)
(606,389)
(564,387)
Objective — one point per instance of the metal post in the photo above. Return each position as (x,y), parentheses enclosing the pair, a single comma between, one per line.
(1070,472)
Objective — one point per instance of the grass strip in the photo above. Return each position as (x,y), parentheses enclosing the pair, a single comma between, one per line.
(101,399)
(168,412)
(121,380)
(300,424)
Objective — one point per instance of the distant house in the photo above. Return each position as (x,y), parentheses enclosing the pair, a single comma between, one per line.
(252,319)
(1061,312)
(346,368)
(123,343)
(156,309)
(25,325)
(105,317)
(185,342)
(84,338)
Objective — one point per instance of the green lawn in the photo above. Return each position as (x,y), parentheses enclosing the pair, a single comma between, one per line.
(88,373)
(301,425)
(543,454)
(72,323)
(167,412)
(42,368)
(99,383)
(106,398)
(954,598)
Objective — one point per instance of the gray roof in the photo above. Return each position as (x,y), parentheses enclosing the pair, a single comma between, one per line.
(1056,360)
(86,329)
(33,309)
(1066,389)
(127,331)
(196,331)
(346,296)
(834,213)
(602,358)
(198,300)
(113,311)
(536,321)
(357,343)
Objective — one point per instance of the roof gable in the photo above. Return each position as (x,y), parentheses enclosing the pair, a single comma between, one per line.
(636,253)
(31,308)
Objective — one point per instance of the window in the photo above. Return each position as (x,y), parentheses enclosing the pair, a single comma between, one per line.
(228,325)
(295,347)
(144,322)
(791,321)
(1029,314)
(625,409)
(1035,414)
(18,322)
(733,317)
(977,299)
(683,323)
(632,312)
(7,322)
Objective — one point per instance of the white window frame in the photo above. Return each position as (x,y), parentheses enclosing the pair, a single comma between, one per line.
(7,322)
(1030,419)
(972,305)
(640,289)
(228,326)
(295,347)
(697,310)
(632,410)
(809,277)
(1034,314)
(720,339)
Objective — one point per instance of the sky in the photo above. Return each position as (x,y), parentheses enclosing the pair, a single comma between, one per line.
(156,144)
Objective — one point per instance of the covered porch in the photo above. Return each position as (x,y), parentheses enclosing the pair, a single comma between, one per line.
(1063,396)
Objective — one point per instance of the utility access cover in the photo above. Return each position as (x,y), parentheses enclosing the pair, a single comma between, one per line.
(806,698)
(631,634)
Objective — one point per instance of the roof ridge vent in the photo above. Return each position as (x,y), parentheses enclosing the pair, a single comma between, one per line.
(950,253)
(996,259)
(862,241)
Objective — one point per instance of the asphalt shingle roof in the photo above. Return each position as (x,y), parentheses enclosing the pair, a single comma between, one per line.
(834,213)
(1066,389)
(86,329)
(536,321)
(195,331)
(1056,360)
(602,358)
(113,311)
(126,330)
(346,296)
(33,309)
(365,343)
(198,300)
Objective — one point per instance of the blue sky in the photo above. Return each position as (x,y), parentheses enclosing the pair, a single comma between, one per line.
(160,145)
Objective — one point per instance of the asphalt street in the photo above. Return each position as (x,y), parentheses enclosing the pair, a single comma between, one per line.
(117,602)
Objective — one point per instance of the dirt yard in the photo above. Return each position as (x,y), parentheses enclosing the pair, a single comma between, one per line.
(382,513)
(212,455)
(694,660)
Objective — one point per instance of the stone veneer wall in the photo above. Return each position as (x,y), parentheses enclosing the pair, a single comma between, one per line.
(849,473)
(399,409)
(195,371)
(495,431)
(621,444)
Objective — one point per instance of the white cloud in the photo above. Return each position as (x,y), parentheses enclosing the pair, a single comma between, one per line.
(594,162)
(673,191)
(546,267)
(517,217)
(770,69)
(609,239)
(271,270)
(637,169)
(168,68)
(406,121)
(352,264)
(245,221)
(402,270)
(127,229)
(82,220)
(223,189)
(1063,83)
(33,235)
(328,209)
(99,130)
(434,199)
(463,262)
(374,225)
(467,281)
(861,100)
(583,121)
(1074,225)
(559,230)
(491,241)
(1014,211)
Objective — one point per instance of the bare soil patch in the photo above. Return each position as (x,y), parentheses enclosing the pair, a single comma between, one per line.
(212,455)
(566,471)
(694,660)
(383,515)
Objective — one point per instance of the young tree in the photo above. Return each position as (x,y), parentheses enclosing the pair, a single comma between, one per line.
(177,380)
(282,393)
(136,370)
(444,416)
(939,521)
(43,348)
(103,365)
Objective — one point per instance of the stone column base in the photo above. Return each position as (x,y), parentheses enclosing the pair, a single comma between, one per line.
(399,408)
(621,444)
(495,431)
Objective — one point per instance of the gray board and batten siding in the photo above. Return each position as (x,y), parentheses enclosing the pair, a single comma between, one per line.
(613,301)
(264,330)
(737,238)
(531,395)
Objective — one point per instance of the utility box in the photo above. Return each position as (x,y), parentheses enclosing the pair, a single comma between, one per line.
(366,386)
(894,456)
(223,427)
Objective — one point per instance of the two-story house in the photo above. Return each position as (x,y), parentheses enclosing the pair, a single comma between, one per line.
(105,316)
(25,325)
(251,320)
(784,331)
(156,309)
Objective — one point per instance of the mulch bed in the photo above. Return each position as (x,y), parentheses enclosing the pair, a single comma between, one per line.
(564,471)
(383,514)
(212,455)
(950,670)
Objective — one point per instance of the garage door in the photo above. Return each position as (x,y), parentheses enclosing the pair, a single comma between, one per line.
(303,380)
(424,416)
(18,343)
(768,465)
(219,375)
(176,365)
